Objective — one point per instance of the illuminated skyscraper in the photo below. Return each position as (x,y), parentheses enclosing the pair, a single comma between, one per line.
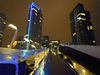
(81,27)
(34,26)
(3,20)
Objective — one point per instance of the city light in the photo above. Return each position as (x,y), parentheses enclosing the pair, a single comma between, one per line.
(12,26)
(33,46)
(26,39)
(8,46)
(83,70)
(78,18)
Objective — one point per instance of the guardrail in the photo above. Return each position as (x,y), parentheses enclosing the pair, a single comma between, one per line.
(15,61)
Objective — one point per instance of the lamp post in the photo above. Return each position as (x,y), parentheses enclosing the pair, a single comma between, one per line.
(16,28)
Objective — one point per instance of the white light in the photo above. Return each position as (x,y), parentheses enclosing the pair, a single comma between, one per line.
(74,63)
(78,18)
(11,25)
(31,40)
(26,39)
(35,42)
(33,46)
(83,70)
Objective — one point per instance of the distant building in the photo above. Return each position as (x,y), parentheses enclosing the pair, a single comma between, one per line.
(54,45)
(34,26)
(45,41)
(21,43)
(3,20)
(81,27)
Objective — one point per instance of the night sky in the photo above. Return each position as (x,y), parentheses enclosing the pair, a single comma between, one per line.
(56,21)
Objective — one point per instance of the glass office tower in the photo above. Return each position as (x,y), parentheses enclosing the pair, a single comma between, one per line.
(81,26)
(3,20)
(34,26)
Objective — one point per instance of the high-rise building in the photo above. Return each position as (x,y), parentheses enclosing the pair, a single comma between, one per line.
(34,26)
(81,26)
(45,41)
(3,20)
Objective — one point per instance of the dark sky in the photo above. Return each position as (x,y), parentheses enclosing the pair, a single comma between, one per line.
(56,22)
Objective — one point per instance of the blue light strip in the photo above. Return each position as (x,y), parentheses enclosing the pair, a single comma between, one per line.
(29,24)
(34,5)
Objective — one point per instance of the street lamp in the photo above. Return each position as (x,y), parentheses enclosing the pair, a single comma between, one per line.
(16,28)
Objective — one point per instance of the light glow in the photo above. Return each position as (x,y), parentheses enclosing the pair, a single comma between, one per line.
(93,41)
(83,70)
(33,46)
(87,27)
(8,46)
(74,34)
(26,39)
(12,26)
(78,18)
(91,27)
(81,14)
(34,5)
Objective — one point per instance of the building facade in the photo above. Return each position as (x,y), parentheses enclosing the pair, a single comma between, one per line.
(34,26)
(20,42)
(81,27)
(3,20)
(45,42)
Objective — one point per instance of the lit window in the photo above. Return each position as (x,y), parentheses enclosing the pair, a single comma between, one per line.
(0,41)
(81,14)
(80,24)
(79,18)
(74,34)
(80,21)
(87,27)
(40,18)
(36,14)
(4,22)
(40,21)
(38,35)
(1,35)
(94,41)
(28,20)
(34,9)
(83,19)
(91,27)
(90,41)
(46,40)
(34,22)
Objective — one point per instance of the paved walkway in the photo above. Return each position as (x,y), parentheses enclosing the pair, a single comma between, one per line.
(56,65)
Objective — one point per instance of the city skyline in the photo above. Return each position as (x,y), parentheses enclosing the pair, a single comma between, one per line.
(56,21)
